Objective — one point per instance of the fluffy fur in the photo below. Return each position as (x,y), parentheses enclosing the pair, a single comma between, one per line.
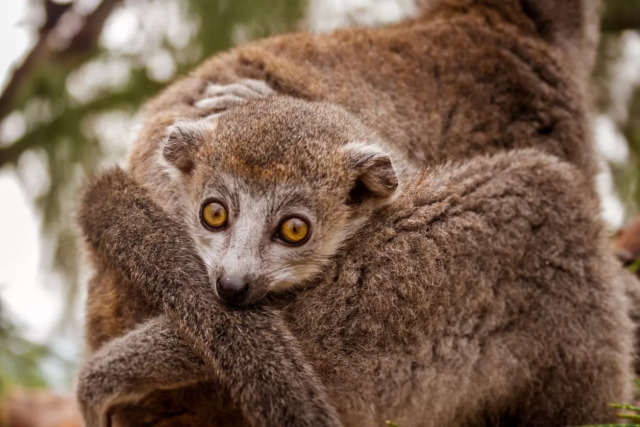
(493,302)
(512,243)
(478,307)
(301,164)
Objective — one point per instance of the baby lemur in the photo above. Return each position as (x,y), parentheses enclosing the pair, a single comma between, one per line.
(470,77)
(482,294)
(270,218)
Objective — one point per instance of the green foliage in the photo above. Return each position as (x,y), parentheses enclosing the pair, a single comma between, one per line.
(618,19)
(629,412)
(20,359)
(634,267)
(620,15)
(629,176)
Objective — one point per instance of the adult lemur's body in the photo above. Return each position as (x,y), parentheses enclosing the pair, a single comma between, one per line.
(482,295)
(472,77)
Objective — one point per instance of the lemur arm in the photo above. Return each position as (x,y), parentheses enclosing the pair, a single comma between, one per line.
(220,97)
(250,351)
(151,357)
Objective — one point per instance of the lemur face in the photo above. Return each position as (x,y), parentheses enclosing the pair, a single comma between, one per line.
(255,242)
(272,189)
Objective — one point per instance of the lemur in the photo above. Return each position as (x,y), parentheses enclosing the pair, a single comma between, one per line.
(468,78)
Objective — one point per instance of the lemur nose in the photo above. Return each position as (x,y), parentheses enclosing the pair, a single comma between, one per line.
(232,289)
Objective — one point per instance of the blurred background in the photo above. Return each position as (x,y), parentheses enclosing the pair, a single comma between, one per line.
(73,75)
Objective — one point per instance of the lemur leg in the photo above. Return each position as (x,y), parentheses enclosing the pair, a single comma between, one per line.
(220,97)
(153,356)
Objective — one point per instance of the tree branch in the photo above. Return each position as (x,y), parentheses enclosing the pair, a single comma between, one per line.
(87,37)
(81,43)
(34,137)
(36,55)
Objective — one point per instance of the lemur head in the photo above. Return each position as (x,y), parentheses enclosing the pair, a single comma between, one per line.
(272,189)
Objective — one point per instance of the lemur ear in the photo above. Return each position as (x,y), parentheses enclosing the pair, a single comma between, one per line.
(374,174)
(182,141)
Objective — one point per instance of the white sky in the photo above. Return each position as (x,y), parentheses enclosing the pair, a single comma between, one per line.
(20,287)
(30,303)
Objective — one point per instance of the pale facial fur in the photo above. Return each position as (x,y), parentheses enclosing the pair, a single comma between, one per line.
(249,246)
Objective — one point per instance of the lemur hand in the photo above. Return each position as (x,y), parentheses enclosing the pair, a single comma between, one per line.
(220,97)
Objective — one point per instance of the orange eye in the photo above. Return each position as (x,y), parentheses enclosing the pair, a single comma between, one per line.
(293,230)
(214,215)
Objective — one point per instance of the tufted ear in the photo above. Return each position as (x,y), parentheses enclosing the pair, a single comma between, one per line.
(182,141)
(373,172)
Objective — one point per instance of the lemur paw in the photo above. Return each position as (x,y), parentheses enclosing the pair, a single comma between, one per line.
(221,97)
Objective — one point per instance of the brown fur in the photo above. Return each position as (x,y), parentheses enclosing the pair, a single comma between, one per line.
(472,77)
(506,311)
(499,264)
